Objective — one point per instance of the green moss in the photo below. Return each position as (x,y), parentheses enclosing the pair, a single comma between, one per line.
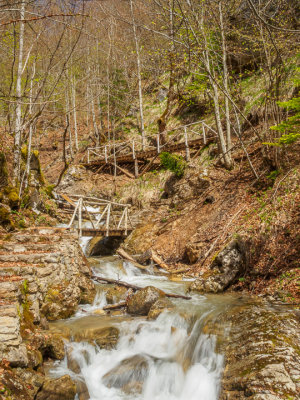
(12,196)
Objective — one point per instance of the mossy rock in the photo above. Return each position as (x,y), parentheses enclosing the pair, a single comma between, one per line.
(12,197)
(3,171)
(5,219)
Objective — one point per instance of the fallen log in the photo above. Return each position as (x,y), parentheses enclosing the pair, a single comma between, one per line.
(135,287)
(115,306)
(159,261)
(122,253)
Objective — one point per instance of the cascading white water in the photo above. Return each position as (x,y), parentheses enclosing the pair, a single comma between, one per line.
(169,358)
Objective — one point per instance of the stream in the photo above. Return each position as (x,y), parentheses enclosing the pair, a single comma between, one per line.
(175,357)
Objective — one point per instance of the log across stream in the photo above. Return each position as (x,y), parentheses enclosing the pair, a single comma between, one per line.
(120,356)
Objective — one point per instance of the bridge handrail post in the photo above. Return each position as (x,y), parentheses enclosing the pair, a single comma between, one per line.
(107,219)
(187,150)
(73,216)
(204,133)
(121,219)
(158,144)
(80,217)
(126,220)
(89,215)
(103,213)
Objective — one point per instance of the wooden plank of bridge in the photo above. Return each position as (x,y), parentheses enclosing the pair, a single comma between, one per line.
(143,155)
(102,232)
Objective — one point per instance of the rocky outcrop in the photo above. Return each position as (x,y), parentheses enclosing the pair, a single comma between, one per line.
(227,266)
(141,302)
(261,355)
(42,272)
(186,188)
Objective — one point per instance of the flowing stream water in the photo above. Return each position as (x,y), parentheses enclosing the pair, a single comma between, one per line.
(175,357)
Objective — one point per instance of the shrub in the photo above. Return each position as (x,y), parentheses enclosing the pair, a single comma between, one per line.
(173,163)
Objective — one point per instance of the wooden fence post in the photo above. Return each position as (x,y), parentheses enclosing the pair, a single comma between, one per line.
(187,150)
(158,144)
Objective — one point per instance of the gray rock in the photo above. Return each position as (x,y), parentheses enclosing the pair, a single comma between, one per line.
(228,265)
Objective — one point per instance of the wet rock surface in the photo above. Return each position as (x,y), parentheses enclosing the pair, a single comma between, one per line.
(227,266)
(115,294)
(141,302)
(105,337)
(129,374)
(160,306)
(262,355)
(57,389)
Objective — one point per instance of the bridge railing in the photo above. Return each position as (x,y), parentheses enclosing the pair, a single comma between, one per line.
(102,215)
(109,152)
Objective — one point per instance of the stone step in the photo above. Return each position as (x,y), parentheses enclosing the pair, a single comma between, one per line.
(22,238)
(23,247)
(32,258)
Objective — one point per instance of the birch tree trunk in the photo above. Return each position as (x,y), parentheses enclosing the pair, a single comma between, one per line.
(18,115)
(225,80)
(138,62)
(75,112)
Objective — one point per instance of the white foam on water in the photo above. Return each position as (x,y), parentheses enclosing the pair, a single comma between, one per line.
(182,361)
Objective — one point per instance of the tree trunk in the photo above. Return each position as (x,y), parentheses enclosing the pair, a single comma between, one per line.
(18,117)
(138,62)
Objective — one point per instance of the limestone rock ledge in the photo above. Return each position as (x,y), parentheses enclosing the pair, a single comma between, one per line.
(262,354)
(43,274)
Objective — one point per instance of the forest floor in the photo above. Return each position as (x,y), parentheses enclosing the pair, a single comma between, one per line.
(188,221)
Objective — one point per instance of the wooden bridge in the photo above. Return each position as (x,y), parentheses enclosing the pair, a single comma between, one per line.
(97,217)
(138,152)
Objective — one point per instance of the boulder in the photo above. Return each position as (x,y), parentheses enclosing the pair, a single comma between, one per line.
(5,219)
(160,306)
(129,375)
(141,302)
(58,389)
(115,294)
(54,347)
(227,266)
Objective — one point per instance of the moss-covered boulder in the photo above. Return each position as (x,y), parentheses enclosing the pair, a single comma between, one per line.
(61,301)
(5,219)
(3,171)
(12,197)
